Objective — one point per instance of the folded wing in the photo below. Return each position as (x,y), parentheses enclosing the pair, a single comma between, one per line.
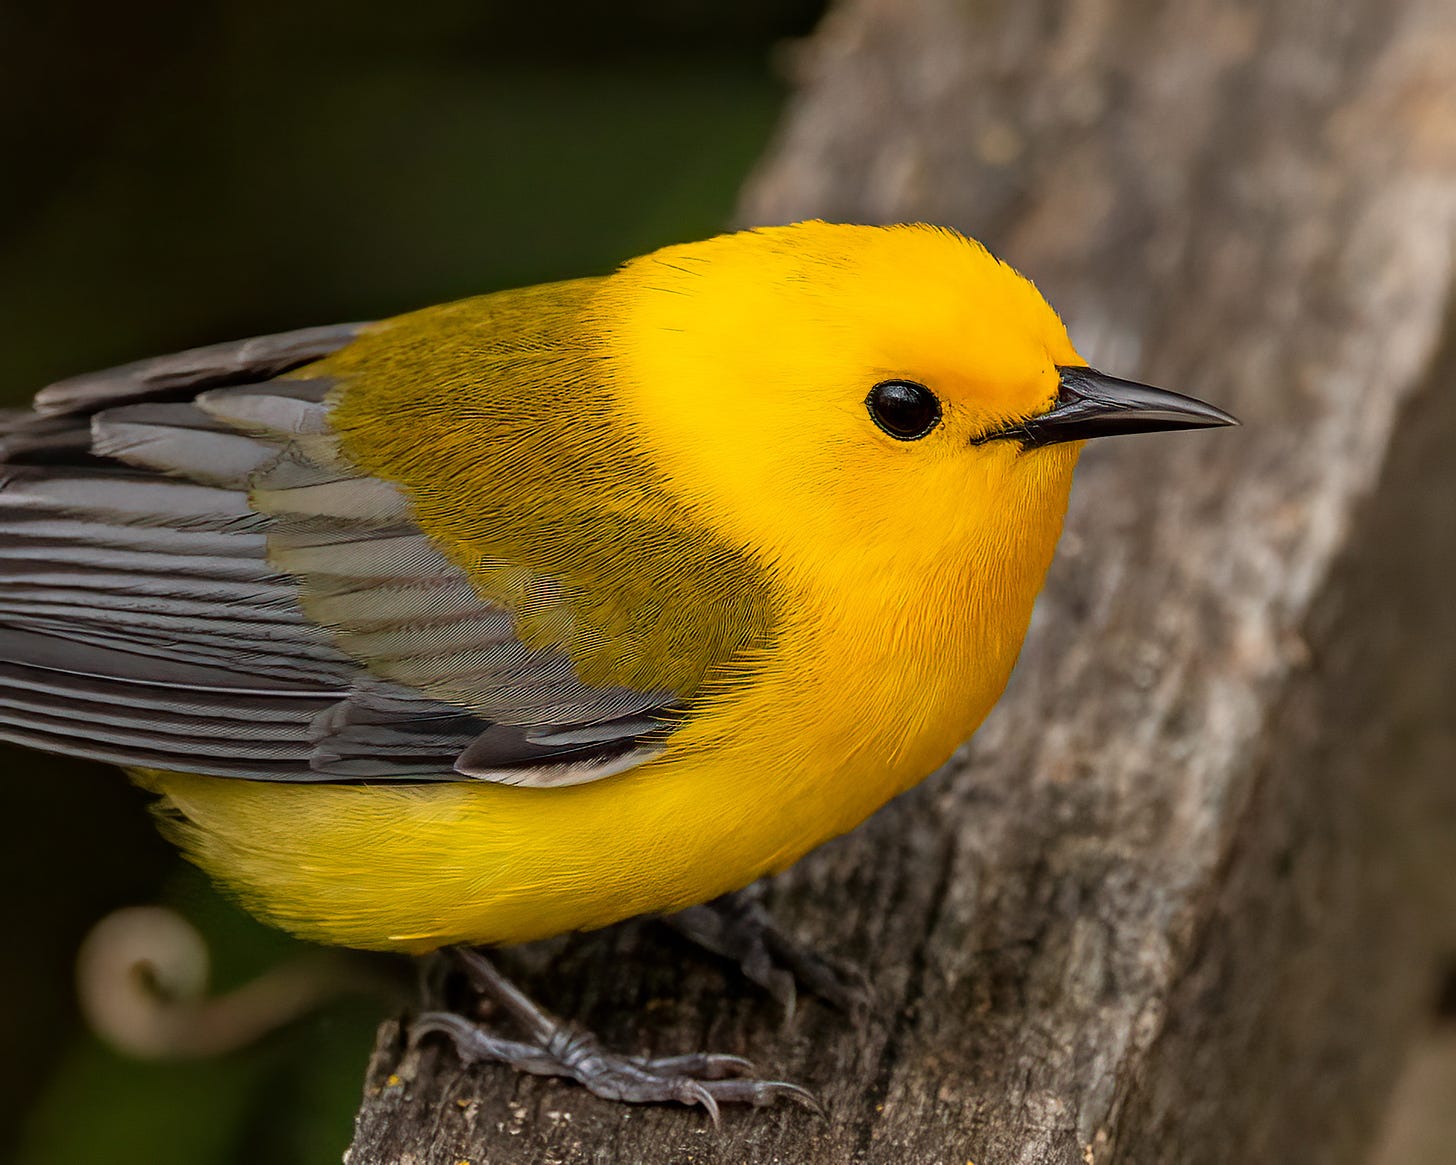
(193,578)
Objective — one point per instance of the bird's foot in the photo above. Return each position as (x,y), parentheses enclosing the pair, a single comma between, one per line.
(557,1048)
(739,927)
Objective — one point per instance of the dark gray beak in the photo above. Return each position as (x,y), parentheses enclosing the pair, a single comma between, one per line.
(1093,405)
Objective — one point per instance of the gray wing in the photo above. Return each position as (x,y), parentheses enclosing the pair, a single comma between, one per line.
(191,578)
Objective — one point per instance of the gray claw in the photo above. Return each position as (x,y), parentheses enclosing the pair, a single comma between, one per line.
(702,1096)
(555,1048)
(704,1079)
(765,1092)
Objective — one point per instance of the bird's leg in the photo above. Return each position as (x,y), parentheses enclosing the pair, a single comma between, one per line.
(553,1047)
(739,927)
(432,975)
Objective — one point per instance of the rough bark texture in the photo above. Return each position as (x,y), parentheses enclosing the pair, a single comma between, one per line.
(1184,896)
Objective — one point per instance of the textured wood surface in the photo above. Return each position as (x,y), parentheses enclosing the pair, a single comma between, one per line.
(1183,897)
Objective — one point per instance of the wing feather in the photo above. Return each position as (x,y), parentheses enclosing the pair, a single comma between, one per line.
(183,375)
(179,440)
(192,577)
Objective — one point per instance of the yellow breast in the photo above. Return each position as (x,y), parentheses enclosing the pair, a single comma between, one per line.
(883,666)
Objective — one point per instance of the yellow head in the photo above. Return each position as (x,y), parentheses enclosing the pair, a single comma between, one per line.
(850,406)
(750,363)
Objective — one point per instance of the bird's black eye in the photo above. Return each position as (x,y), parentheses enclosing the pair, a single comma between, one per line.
(904,409)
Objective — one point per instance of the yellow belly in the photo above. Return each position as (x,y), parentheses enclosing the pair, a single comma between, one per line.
(414,867)
(860,701)
(744,791)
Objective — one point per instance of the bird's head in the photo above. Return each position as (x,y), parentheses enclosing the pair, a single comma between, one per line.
(881,391)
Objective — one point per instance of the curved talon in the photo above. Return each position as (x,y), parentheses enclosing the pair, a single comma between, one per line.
(621,1078)
(765,1092)
(702,1096)
(555,1048)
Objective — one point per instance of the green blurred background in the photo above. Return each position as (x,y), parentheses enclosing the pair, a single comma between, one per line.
(184,172)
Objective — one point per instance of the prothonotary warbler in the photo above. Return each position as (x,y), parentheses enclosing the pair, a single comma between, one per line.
(540,610)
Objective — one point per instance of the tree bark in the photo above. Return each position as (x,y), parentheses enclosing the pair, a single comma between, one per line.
(1185,895)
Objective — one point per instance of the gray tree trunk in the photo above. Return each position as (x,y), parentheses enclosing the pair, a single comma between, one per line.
(1183,898)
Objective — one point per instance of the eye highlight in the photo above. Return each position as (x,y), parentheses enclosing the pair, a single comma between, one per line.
(905,410)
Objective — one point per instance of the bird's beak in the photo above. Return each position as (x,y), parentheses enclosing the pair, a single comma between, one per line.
(1090,404)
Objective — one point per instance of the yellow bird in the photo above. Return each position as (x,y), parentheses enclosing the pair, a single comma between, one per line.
(540,610)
